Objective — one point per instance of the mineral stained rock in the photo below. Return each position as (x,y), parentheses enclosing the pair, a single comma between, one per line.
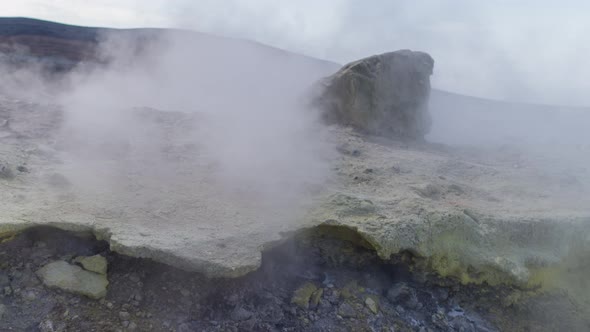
(303,295)
(74,279)
(384,95)
(371,303)
(96,263)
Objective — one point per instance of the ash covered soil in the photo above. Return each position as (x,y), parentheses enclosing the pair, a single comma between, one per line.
(314,282)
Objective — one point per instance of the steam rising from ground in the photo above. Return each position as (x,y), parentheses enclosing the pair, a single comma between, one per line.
(245,126)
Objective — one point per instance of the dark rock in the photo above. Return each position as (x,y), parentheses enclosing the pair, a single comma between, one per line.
(248,325)
(442,294)
(316,297)
(385,95)
(347,311)
(4,279)
(462,324)
(6,172)
(58,180)
(46,326)
(134,277)
(402,293)
(241,314)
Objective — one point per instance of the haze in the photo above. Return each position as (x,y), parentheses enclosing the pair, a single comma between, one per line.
(532,51)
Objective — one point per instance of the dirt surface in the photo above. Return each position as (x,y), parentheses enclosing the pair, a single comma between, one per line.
(148,296)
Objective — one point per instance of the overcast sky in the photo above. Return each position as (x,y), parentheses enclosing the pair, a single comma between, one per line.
(526,50)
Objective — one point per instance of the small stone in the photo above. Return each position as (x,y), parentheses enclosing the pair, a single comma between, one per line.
(240,314)
(462,323)
(124,315)
(316,297)
(185,292)
(125,323)
(303,294)
(74,279)
(96,263)
(372,305)
(7,291)
(58,180)
(2,310)
(404,294)
(134,277)
(46,326)
(429,190)
(4,279)
(22,169)
(442,294)
(347,311)
(184,327)
(29,295)
(132,326)
(6,173)
(109,305)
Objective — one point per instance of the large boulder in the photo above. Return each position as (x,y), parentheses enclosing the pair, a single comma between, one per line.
(385,95)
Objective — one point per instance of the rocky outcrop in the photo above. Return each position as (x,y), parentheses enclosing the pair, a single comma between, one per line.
(384,95)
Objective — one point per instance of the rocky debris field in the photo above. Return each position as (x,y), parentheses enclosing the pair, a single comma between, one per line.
(314,282)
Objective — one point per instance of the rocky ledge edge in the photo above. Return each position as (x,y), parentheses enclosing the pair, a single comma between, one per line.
(536,254)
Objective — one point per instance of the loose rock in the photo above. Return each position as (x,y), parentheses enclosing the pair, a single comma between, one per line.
(347,311)
(372,305)
(402,293)
(96,263)
(74,279)
(132,326)
(303,294)
(241,314)
(316,297)
(6,172)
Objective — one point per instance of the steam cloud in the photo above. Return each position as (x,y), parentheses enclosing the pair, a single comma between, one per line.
(246,121)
